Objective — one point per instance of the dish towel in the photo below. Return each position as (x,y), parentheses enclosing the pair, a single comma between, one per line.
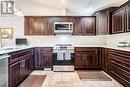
(60,56)
(68,56)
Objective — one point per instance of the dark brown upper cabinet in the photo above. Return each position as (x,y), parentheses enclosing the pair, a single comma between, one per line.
(103,21)
(88,26)
(128,17)
(38,26)
(84,26)
(118,21)
(77,26)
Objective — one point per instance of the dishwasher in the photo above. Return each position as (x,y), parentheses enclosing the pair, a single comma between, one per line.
(4,70)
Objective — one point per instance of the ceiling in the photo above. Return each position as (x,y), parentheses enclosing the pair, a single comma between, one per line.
(64,7)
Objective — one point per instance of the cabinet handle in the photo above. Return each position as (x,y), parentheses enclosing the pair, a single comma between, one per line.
(23,63)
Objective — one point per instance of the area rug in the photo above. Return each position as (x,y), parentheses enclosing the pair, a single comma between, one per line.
(33,81)
(92,76)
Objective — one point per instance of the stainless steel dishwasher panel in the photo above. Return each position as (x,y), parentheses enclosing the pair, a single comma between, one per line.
(4,70)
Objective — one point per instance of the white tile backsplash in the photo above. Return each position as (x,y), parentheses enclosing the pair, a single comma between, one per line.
(113,40)
(75,40)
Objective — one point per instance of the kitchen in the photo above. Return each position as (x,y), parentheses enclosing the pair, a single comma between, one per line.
(67,43)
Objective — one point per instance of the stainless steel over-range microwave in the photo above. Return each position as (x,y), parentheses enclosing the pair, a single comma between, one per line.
(63,27)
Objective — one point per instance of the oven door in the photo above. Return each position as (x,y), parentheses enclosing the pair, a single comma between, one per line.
(65,60)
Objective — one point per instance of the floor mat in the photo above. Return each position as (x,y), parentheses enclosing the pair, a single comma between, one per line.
(92,76)
(33,81)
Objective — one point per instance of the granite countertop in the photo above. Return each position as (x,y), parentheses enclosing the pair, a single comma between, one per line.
(6,50)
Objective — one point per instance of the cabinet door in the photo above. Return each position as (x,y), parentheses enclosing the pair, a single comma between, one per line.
(128,17)
(91,61)
(79,60)
(86,58)
(47,55)
(37,26)
(118,21)
(38,63)
(77,28)
(24,69)
(14,74)
(105,60)
(50,26)
(47,60)
(102,23)
(31,64)
(88,26)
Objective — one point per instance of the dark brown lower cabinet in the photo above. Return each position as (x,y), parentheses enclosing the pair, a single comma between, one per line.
(86,58)
(38,59)
(105,60)
(47,61)
(20,66)
(120,66)
(14,74)
(24,69)
(116,63)
(43,58)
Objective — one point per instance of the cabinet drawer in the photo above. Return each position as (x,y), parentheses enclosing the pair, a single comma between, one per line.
(47,50)
(120,69)
(120,66)
(120,75)
(120,53)
(121,61)
(85,49)
(19,55)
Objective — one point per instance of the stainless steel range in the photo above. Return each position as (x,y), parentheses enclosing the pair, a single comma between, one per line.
(63,57)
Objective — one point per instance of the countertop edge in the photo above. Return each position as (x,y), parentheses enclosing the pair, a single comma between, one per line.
(29,47)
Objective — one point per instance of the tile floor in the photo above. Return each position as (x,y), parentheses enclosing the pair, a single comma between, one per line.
(71,79)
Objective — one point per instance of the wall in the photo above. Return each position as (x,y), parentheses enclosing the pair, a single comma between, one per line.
(14,22)
(113,40)
(17,23)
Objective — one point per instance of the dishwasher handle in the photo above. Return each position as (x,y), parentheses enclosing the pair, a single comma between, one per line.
(4,56)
